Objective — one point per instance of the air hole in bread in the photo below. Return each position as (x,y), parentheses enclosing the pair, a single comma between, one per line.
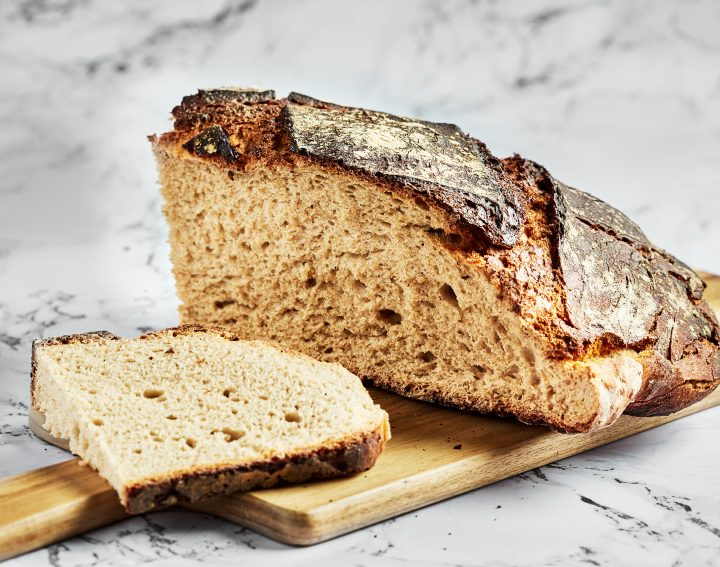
(422,204)
(171,417)
(261,396)
(528,355)
(449,237)
(137,451)
(92,391)
(478,370)
(232,434)
(228,391)
(328,350)
(97,421)
(499,325)
(389,316)
(190,442)
(292,416)
(310,282)
(265,244)
(427,356)
(448,294)
(427,368)
(511,371)
(358,285)
(152,393)
(222,304)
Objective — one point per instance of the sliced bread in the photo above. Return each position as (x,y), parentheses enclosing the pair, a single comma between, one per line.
(405,251)
(189,413)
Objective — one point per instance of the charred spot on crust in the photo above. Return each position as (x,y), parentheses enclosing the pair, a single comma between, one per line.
(235,94)
(306,100)
(212,141)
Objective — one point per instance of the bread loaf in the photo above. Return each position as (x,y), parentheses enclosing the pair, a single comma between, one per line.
(189,413)
(408,253)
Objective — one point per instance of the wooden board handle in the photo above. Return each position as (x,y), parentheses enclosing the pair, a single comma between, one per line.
(46,505)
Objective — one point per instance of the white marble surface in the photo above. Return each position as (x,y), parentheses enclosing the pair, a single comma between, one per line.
(618,98)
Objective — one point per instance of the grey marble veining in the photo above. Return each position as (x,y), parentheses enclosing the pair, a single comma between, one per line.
(618,98)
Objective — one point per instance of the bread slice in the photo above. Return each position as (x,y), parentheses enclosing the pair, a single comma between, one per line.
(188,413)
(408,253)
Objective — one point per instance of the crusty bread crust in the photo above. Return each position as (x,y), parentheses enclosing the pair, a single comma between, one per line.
(595,284)
(347,457)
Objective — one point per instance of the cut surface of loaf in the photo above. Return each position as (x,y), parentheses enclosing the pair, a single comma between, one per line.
(190,412)
(405,251)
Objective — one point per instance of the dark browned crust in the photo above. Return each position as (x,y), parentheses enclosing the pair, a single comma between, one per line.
(346,458)
(453,170)
(228,95)
(84,338)
(440,163)
(212,141)
(298,98)
(503,212)
(617,290)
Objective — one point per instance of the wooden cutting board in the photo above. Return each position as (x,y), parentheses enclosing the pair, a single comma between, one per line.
(435,453)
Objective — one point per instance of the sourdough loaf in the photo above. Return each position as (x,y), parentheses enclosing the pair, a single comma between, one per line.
(408,253)
(190,412)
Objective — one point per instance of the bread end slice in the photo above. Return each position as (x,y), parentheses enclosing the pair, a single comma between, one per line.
(189,413)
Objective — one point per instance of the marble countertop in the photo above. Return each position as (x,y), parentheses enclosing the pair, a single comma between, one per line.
(618,98)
